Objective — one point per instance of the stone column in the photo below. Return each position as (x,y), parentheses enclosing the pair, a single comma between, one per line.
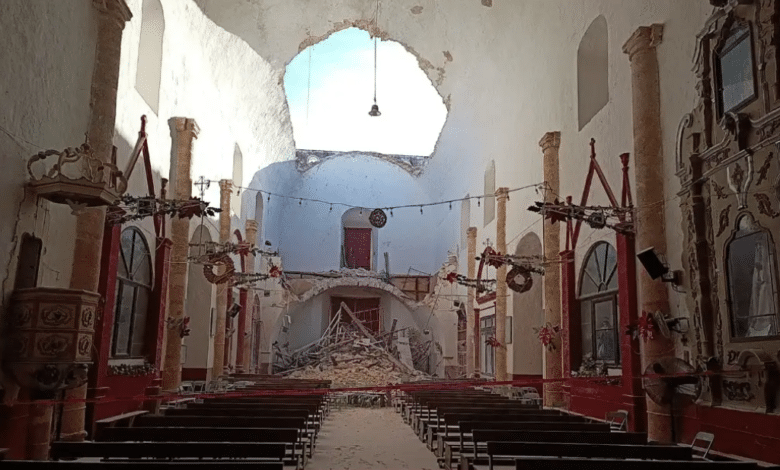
(553,360)
(502,195)
(248,328)
(39,432)
(650,220)
(471,262)
(225,191)
(112,16)
(183,133)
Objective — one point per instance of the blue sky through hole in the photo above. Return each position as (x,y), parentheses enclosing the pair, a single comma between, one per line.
(342,92)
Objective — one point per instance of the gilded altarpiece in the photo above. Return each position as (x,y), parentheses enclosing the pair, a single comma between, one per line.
(728,162)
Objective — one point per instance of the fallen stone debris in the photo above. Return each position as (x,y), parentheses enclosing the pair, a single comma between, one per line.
(349,356)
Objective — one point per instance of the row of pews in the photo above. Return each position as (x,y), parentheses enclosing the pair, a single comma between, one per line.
(273,428)
(474,429)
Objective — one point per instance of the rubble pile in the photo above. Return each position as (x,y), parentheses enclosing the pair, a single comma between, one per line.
(349,356)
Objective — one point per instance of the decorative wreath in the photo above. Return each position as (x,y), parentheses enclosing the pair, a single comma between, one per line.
(378,218)
(513,274)
(220,259)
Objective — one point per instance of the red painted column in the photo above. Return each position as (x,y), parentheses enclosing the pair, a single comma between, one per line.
(162,271)
(630,359)
(241,333)
(14,421)
(570,317)
(107,289)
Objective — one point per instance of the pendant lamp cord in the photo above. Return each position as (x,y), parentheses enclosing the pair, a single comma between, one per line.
(375,70)
(376,25)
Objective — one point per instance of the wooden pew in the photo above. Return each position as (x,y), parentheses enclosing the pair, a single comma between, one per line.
(437,435)
(301,423)
(138,465)
(274,451)
(505,453)
(595,437)
(486,412)
(125,419)
(467,423)
(420,418)
(291,437)
(555,463)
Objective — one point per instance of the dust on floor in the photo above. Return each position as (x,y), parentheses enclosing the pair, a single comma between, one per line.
(369,438)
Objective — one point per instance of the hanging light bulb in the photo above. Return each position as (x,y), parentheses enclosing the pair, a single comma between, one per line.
(331,208)
(450,206)
(375,107)
(421,210)
(391,212)
(269,197)
(478,199)
(300,202)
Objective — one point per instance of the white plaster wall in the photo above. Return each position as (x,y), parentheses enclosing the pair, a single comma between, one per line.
(214,78)
(309,235)
(45,105)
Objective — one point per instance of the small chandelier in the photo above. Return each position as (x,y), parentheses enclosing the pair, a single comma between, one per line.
(375,107)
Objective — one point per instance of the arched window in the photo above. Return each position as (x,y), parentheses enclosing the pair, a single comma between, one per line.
(593,71)
(465,221)
(598,304)
(238,179)
(360,239)
(752,280)
(133,288)
(150,51)
(490,190)
(259,218)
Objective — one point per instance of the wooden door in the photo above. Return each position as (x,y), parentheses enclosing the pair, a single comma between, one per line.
(365,309)
(357,247)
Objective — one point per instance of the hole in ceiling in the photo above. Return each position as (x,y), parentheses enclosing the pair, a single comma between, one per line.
(330,92)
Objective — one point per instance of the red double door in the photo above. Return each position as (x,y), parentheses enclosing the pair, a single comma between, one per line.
(357,247)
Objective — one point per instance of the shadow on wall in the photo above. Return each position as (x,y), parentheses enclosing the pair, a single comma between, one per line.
(528,313)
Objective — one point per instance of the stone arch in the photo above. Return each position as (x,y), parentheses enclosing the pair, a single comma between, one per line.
(593,71)
(528,313)
(150,53)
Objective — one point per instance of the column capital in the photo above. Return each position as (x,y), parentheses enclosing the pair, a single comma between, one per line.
(550,140)
(471,232)
(115,9)
(182,124)
(250,229)
(226,186)
(502,193)
(645,37)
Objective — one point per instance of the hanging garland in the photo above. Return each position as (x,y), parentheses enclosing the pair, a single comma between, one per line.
(135,208)
(220,259)
(519,287)
(597,217)
(464,281)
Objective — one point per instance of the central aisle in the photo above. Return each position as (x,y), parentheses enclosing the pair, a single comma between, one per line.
(369,438)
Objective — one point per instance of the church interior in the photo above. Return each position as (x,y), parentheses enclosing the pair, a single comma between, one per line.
(579,259)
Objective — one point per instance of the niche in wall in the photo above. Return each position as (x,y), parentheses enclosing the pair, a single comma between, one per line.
(592,71)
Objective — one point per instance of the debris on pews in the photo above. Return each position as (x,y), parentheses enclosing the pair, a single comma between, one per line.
(348,355)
